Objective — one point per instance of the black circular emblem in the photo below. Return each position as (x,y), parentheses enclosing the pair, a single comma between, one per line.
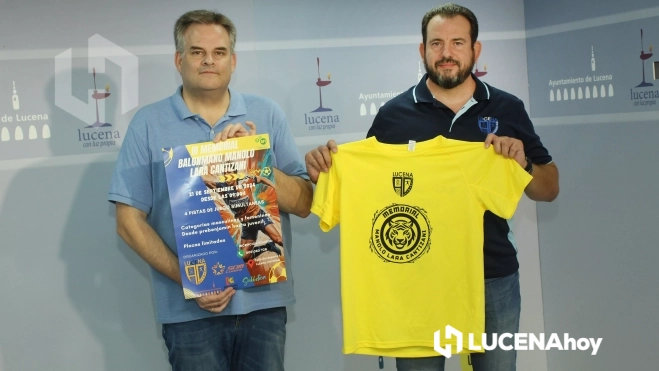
(401,233)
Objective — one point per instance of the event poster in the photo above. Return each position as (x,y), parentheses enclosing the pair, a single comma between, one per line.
(226,218)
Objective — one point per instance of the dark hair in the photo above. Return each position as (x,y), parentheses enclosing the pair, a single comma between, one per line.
(202,17)
(450,11)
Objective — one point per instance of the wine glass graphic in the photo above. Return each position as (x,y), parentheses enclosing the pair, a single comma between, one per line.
(480,73)
(320,84)
(14,98)
(643,57)
(96,95)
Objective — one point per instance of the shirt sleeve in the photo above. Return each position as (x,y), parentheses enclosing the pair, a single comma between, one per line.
(497,183)
(533,147)
(131,180)
(326,199)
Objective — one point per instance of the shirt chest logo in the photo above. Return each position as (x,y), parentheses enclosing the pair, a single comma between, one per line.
(402,183)
(488,125)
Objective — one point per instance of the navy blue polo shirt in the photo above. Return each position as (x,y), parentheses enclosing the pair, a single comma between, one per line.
(417,115)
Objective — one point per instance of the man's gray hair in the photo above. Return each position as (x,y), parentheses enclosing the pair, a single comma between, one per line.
(202,17)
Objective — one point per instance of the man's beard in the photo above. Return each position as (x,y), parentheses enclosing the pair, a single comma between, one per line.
(449,82)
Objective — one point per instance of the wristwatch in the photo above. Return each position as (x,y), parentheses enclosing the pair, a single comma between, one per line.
(529,166)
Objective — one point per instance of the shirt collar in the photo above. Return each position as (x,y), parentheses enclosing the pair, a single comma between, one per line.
(422,94)
(236,105)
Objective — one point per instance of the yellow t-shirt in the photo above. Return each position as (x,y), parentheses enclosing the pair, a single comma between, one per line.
(412,238)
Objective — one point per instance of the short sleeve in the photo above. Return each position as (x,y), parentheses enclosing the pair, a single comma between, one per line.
(326,198)
(533,147)
(497,183)
(131,180)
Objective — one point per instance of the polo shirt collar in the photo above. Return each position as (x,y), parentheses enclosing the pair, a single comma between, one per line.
(236,105)
(422,94)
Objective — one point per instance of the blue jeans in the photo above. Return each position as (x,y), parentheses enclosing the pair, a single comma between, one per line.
(502,308)
(250,342)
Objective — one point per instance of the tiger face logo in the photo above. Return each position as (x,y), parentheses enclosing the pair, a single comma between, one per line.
(400,234)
